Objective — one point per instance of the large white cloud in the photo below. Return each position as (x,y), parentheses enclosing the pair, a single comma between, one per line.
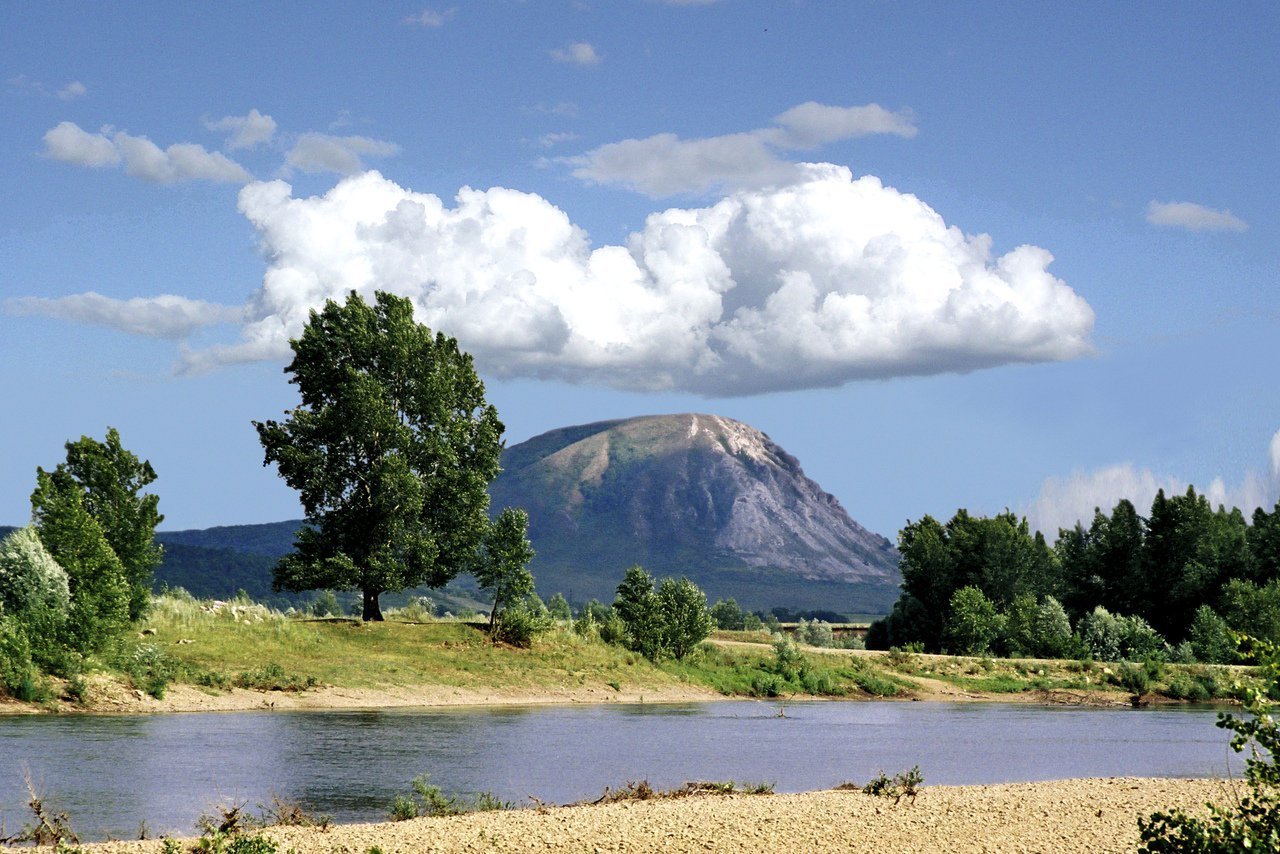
(165,316)
(826,280)
(666,165)
(142,158)
(1064,501)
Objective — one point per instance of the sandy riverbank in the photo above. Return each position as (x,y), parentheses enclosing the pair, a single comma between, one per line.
(1071,815)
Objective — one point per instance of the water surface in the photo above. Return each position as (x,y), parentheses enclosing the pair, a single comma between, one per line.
(110,773)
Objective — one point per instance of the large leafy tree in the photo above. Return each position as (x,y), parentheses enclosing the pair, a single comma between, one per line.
(109,480)
(391,450)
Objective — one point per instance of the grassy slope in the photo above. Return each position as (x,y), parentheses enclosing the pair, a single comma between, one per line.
(251,646)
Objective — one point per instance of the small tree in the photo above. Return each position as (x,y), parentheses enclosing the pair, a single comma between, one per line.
(558,608)
(728,615)
(972,623)
(502,564)
(638,607)
(1051,629)
(99,590)
(110,480)
(686,622)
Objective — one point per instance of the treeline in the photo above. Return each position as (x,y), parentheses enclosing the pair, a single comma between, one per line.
(1172,584)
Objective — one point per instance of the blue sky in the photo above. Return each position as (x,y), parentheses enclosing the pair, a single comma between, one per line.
(640,236)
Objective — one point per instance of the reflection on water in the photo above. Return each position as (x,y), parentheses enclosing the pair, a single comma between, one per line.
(110,773)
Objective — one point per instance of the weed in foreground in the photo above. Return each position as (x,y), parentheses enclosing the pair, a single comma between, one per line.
(642,791)
(899,786)
(48,827)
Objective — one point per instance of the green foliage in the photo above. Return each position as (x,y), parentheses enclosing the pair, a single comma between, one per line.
(110,480)
(1111,637)
(972,623)
(670,621)
(391,450)
(685,621)
(522,621)
(150,669)
(502,568)
(326,605)
(1251,610)
(1050,630)
(428,799)
(17,674)
(34,591)
(99,590)
(1210,638)
(998,556)
(273,677)
(903,785)
(558,608)
(815,633)
(638,608)
(728,616)
(1253,822)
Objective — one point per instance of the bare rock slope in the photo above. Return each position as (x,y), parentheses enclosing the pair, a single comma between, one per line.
(695,495)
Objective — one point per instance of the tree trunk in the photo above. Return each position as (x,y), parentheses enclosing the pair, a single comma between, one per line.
(371,610)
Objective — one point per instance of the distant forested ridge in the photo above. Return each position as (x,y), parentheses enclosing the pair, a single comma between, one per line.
(1171,583)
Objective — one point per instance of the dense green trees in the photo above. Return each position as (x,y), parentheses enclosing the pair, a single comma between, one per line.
(669,621)
(391,450)
(1170,584)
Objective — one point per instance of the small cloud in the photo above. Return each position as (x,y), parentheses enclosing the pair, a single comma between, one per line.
(74,89)
(69,92)
(142,158)
(548,140)
(164,316)
(319,152)
(430,18)
(666,165)
(564,109)
(246,131)
(578,53)
(69,143)
(1193,217)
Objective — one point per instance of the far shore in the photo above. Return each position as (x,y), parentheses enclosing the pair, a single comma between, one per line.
(1094,815)
(109,696)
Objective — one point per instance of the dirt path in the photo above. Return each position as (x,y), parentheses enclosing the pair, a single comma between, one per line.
(1071,815)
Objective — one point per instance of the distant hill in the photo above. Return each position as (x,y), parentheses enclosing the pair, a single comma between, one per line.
(695,495)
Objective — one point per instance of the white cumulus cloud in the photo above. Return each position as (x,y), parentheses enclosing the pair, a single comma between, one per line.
(142,158)
(666,165)
(319,152)
(1193,217)
(165,316)
(1064,501)
(70,143)
(578,53)
(824,281)
(247,131)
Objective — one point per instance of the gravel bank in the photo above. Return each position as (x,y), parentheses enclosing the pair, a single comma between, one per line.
(1069,815)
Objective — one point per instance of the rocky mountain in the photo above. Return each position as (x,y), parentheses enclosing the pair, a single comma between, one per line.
(696,495)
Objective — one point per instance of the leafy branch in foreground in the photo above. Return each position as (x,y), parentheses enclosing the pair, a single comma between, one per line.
(1253,823)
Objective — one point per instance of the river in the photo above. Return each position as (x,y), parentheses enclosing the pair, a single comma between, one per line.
(112,773)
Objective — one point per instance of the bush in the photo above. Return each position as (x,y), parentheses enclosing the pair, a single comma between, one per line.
(672,620)
(728,616)
(1253,822)
(18,677)
(1210,638)
(150,670)
(1051,629)
(326,605)
(519,623)
(815,633)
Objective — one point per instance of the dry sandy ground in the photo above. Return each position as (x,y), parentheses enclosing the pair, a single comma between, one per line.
(1071,815)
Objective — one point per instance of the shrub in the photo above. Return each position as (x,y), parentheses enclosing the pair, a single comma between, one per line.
(1253,822)
(728,616)
(1210,638)
(899,786)
(519,623)
(150,670)
(1051,629)
(558,608)
(326,605)
(685,621)
(17,674)
(815,633)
